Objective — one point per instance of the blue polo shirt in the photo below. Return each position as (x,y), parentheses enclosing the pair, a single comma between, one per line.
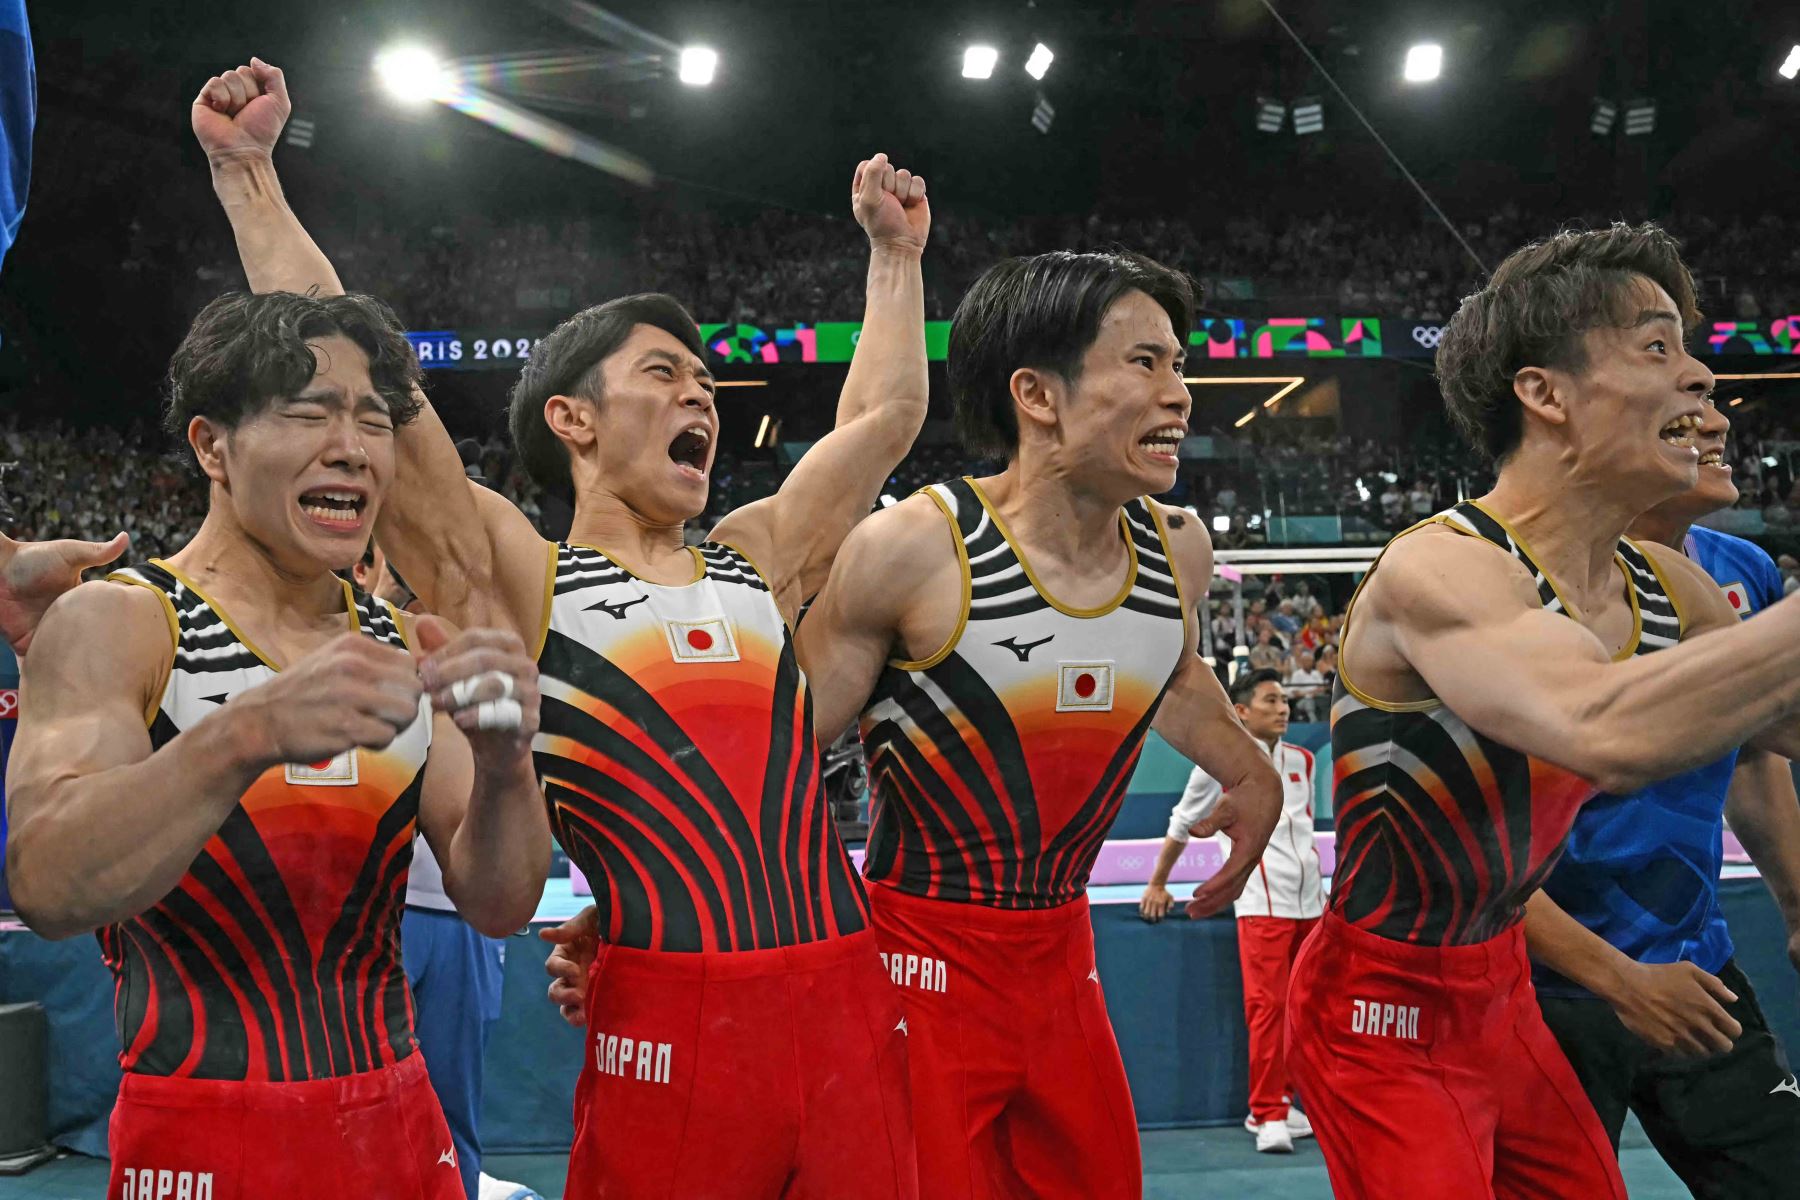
(1642,871)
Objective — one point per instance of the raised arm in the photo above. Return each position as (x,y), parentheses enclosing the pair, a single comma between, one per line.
(34,574)
(1197,719)
(101,827)
(1465,619)
(467,552)
(795,533)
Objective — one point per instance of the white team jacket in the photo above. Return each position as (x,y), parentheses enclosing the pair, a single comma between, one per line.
(1289,881)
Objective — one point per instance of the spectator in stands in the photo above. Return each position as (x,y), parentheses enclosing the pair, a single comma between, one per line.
(1279,906)
(1306,688)
(1306,605)
(1790,573)
(1285,622)
(1265,655)
(1393,505)
(1421,500)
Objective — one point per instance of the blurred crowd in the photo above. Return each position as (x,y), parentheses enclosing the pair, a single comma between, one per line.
(776,266)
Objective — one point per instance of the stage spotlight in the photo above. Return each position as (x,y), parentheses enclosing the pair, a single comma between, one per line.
(1791,67)
(1309,115)
(1042,114)
(697,65)
(1221,523)
(979,61)
(1424,62)
(411,74)
(1038,65)
(1605,113)
(1640,117)
(1271,114)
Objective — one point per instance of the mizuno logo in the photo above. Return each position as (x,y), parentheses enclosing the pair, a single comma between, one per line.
(1024,651)
(1790,1084)
(447,1158)
(1094,974)
(617,610)
(221,698)
(901,1028)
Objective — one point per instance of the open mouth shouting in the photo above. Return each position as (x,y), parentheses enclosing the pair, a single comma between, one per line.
(1163,444)
(336,510)
(690,450)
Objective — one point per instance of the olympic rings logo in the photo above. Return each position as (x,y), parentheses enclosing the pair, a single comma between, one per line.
(1428,336)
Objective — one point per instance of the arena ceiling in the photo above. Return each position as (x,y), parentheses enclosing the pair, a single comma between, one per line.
(1154,102)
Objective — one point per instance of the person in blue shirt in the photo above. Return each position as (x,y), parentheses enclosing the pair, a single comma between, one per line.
(18,113)
(1632,960)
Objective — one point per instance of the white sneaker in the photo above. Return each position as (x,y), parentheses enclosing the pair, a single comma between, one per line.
(1272,1137)
(1297,1124)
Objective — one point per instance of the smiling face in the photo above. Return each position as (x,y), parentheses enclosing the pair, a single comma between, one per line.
(1120,424)
(1635,411)
(304,476)
(1715,488)
(655,429)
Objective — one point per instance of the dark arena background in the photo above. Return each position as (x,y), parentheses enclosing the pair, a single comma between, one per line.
(490,168)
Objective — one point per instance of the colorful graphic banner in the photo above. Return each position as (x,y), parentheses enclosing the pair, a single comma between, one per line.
(1253,338)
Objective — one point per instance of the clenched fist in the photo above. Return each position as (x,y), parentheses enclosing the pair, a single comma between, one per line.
(890,204)
(242,111)
(353,692)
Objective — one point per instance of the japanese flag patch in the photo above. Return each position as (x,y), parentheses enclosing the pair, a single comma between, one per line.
(327,772)
(1084,687)
(710,640)
(1739,597)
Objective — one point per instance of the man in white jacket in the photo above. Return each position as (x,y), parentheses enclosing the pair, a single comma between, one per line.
(1278,908)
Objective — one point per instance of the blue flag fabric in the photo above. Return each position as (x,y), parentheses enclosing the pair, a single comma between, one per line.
(18,114)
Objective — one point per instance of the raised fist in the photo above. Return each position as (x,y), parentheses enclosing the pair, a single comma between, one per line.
(242,111)
(890,204)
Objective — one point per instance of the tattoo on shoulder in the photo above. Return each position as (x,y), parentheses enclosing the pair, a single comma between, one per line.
(1175,520)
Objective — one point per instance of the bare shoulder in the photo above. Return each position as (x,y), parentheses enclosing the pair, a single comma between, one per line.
(900,546)
(1695,593)
(1189,543)
(104,633)
(1437,574)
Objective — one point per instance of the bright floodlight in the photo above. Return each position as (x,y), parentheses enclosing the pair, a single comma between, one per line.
(697,65)
(978,62)
(1039,63)
(410,73)
(1424,62)
(1791,67)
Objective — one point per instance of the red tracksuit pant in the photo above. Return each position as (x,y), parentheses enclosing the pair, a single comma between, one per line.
(1267,948)
(1429,1073)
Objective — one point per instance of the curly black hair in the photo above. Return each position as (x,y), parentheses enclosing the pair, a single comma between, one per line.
(245,350)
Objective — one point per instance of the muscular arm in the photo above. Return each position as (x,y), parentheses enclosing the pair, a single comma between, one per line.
(101,827)
(1765,814)
(1197,719)
(795,533)
(467,552)
(888,564)
(488,830)
(1466,621)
